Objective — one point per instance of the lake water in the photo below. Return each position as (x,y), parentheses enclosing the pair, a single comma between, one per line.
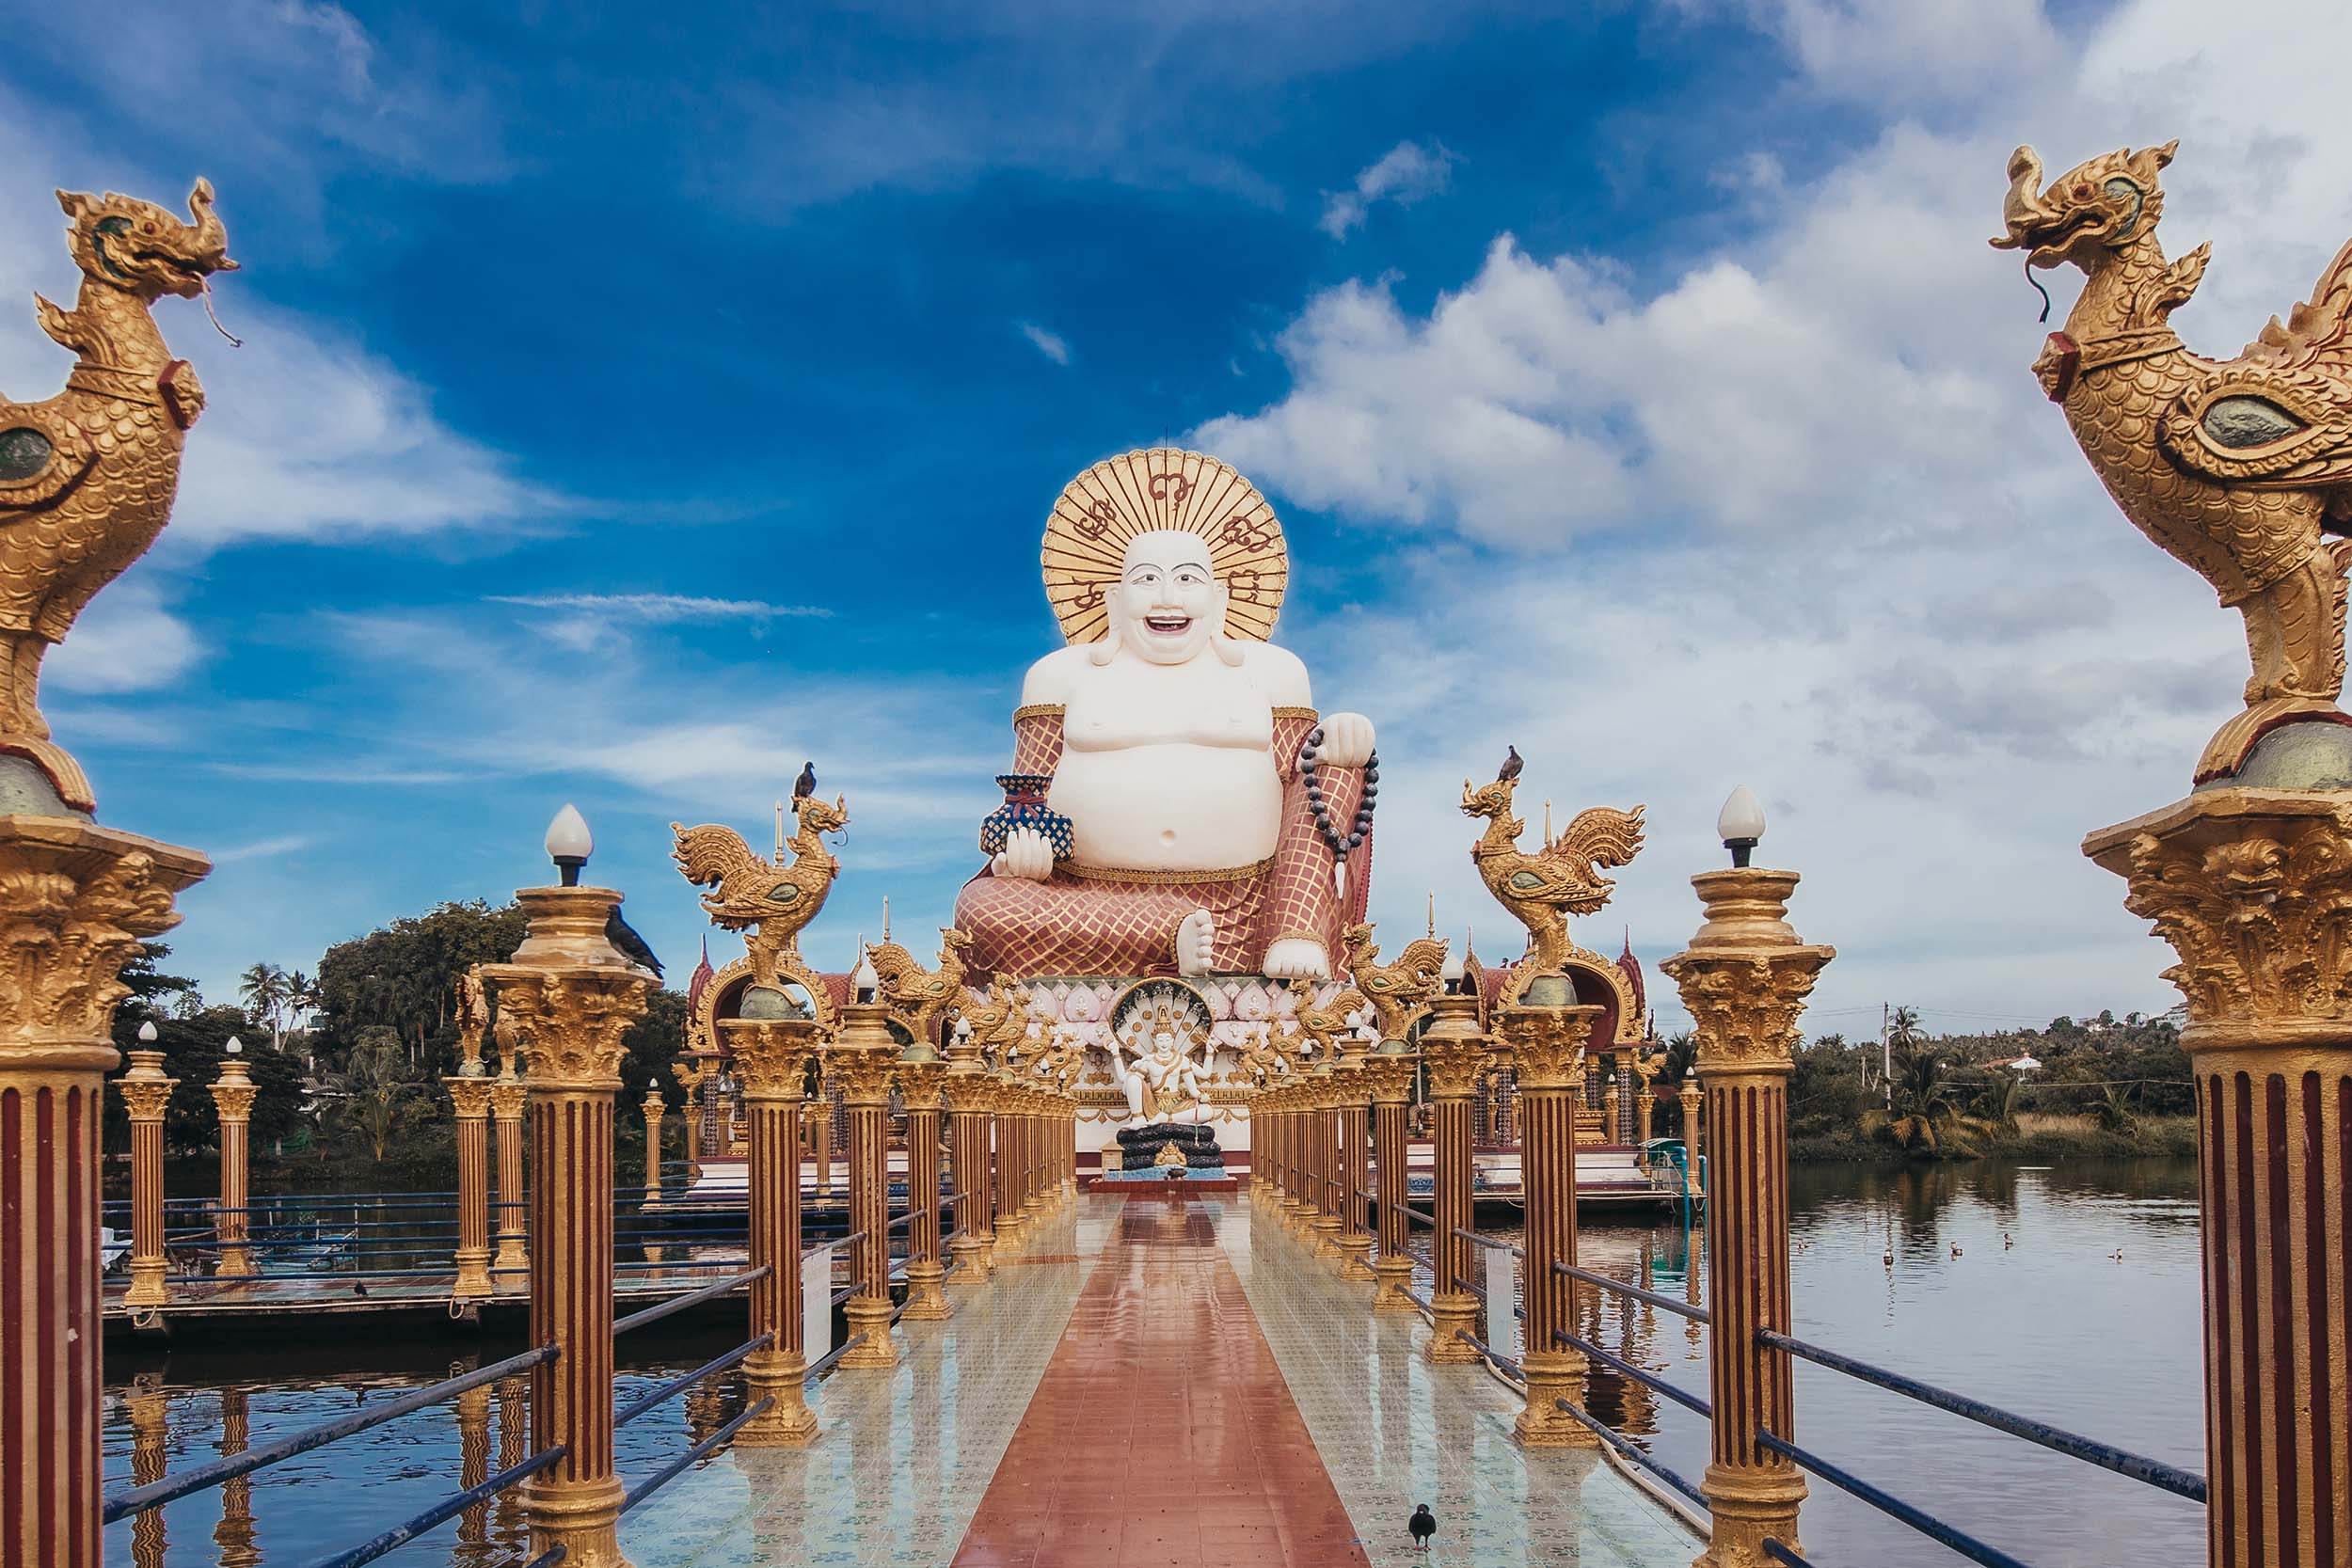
(2051,1324)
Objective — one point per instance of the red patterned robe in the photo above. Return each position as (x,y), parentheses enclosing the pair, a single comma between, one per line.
(1083,922)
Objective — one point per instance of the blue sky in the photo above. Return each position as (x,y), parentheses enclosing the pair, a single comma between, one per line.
(633,405)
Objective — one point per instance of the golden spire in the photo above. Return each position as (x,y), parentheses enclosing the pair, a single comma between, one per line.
(779,833)
(1433,914)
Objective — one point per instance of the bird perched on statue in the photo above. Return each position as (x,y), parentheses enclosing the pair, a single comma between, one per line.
(1421,1526)
(806,785)
(1563,878)
(1513,766)
(632,946)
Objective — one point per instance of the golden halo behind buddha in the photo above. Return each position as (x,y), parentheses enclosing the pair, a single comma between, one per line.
(1163,488)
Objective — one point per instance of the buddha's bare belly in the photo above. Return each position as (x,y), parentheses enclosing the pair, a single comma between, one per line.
(1170,807)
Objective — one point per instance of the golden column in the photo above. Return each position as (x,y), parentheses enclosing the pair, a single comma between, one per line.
(2247,885)
(1004,1103)
(859,1060)
(921,1070)
(470,1095)
(474,1459)
(1744,979)
(823,1110)
(1390,1069)
(1454,1055)
(1355,1085)
(507,1099)
(1545,1034)
(1033,1128)
(966,1090)
(145,1093)
(232,1094)
(770,1045)
(1688,1097)
(1323,1116)
(572,997)
(655,1108)
(235,1534)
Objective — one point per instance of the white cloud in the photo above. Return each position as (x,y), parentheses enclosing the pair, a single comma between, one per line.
(1405,173)
(265,849)
(663,609)
(1050,345)
(1829,538)
(127,641)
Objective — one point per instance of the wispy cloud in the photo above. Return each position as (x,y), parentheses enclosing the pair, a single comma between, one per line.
(1405,173)
(660,608)
(128,641)
(266,848)
(1050,345)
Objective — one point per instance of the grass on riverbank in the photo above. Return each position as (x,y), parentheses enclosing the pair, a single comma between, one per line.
(2037,1137)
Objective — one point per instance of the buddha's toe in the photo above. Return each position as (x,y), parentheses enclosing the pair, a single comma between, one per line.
(1196,941)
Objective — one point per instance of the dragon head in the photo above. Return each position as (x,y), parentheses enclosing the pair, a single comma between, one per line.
(2099,206)
(143,249)
(818,817)
(1493,802)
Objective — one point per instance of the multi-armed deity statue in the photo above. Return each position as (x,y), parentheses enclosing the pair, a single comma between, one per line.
(1174,805)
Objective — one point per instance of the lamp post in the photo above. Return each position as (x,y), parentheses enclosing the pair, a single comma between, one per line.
(655,1108)
(233,1093)
(1744,979)
(920,1071)
(572,996)
(770,1043)
(145,1092)
(859,1059)
(1454,1053)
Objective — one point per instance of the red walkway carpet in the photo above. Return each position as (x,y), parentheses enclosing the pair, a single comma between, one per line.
(1162,1434)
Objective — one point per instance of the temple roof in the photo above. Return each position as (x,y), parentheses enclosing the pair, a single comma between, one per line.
(1631,967)
(702,975)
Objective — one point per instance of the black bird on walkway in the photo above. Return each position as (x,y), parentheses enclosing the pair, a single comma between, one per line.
(1512,766)
(806,785)
(1423,1523)
(619,933)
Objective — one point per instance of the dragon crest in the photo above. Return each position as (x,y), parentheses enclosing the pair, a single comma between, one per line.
(2239,469)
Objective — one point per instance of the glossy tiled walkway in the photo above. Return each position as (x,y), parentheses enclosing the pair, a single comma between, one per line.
(1163,1435)
(1146,1383)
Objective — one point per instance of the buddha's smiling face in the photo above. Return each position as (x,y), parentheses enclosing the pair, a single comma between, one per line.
(1168,603)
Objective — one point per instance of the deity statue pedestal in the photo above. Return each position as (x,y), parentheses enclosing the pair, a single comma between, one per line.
(1153,1153)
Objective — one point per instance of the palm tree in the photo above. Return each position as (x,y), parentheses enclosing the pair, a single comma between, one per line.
(263,987)
(378,1092)
(1923,1107)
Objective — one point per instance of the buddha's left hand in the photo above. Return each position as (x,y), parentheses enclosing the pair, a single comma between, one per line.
(1346,741)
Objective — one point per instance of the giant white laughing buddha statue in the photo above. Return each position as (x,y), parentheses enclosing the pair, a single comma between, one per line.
(1171,805)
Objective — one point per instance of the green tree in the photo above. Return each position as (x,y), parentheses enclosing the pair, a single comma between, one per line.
(1923,1115)
(378,1095)
(404,977)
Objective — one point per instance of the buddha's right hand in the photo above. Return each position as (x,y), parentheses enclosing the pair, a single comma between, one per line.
(1026,853)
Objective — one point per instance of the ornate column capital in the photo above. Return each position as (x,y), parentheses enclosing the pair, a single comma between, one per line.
(471,1096)
(1746,975)
(2253,888)
(1390,1078)
(145,1089)
(567,992)
(77,901)
(234,1090)
(1546,1044)
(860,1055)
(920,1082)
(507,1097)
(1452,1049)
(771,1054)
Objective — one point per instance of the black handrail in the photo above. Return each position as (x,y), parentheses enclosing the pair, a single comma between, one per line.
(123,1504)
(1697,1314)
(677,1386)
(663,1476)
(1601,1429)
(1517,1252)
(2180,1483)
(1647,1379)
(1928,1524)
(1491,1354)
(448,1508)
(691,1298)
(1779,1553)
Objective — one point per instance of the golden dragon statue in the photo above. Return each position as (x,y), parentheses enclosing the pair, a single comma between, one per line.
(1329,1024)
(770,901)
(921,999)
(1559,879)
(2240,469)
(87,478)
(1397,991)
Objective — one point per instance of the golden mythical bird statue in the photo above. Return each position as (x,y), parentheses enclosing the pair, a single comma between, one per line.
(1398,990)
(1329,1024)
(922,999)
(1563,878)
(2238,467)
(87,479)
(767,900)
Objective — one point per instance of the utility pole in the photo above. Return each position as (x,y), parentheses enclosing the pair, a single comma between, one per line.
(1886,1055)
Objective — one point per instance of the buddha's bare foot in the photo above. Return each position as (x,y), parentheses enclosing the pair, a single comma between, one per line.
(1196,941)
(1297,958)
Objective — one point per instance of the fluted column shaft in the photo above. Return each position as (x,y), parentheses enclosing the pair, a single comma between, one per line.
(770,1056)
(1392,1074)
(919,1087)
(1010,1220)
(1355,1242)
(470,1097)
(1544,1040)
(145,1093)
(507,1100)
(149,1411)
(1688,1097)
(859,1061)
(1744,979)
(1454,1053)
(655,1108)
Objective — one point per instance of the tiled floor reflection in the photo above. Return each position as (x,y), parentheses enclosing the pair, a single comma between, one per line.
(904,1457)
(1392,1431)
(1163,1435)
